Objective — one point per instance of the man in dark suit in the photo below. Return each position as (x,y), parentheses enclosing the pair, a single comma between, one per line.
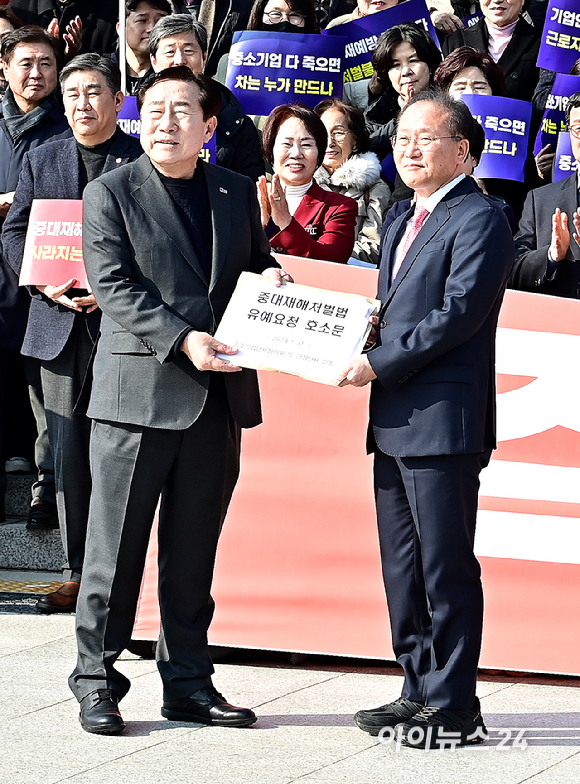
(546,255)
(63,322)
(165,240)
(432,424)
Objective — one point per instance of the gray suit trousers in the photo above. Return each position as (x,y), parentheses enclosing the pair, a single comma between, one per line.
(69,434)
(132,466)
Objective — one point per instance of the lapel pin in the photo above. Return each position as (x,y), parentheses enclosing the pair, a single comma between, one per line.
(223,190)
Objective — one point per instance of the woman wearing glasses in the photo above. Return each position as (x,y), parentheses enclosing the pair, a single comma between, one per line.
(276,16)
(300,218)
(279,16)
(351,169)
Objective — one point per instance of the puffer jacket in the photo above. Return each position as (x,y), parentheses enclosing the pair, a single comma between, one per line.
(359,177)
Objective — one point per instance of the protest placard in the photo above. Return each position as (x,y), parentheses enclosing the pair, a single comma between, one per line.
(301,330)
(506,123)
(361,35)
(472,19)
(53,250)
(560,46)
(129,121)
(554,120)
(565,163)
(269,69)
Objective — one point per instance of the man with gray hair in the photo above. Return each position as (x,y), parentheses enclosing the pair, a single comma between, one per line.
(64,321)
(180,40)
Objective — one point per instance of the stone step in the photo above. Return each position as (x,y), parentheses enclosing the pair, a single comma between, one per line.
(18,494)
(22,549)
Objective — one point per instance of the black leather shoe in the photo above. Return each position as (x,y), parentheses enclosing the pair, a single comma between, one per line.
(440,728)
(389,715)
(100,713)
(42,516)
(207,706)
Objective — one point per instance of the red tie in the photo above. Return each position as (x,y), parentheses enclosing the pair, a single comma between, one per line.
(419,217)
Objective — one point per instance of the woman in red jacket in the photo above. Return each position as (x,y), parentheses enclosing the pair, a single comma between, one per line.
(299,217)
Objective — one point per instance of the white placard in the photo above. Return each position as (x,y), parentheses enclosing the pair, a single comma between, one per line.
(301,330)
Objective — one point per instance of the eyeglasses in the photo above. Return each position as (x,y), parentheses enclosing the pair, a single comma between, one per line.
(293,18)
(338,136)
(423,142)
(575,131)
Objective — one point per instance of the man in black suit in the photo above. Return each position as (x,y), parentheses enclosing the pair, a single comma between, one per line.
(63,322)
(432,425)
(165,240)
(547,257)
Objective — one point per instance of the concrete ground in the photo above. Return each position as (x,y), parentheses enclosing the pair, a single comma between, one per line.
(305,731)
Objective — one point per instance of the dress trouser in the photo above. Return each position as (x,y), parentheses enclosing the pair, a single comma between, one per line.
(43,486)
(69,435)
(426,510)
(131,467)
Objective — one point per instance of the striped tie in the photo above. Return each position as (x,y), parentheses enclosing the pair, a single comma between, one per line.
(419,217)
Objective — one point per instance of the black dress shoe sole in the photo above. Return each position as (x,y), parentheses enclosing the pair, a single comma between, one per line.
(173,715)
(36,525)
(103,730)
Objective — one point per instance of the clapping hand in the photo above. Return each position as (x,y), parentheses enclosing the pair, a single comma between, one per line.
(273,203)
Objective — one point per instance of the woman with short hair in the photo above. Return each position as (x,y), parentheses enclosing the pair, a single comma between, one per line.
(300,218)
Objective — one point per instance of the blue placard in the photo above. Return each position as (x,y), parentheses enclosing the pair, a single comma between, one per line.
(361,35)
(128,118)
(565,163)
(269,69)
(554,120)
(560,47)
(129,121)
(472,19)
(506,123)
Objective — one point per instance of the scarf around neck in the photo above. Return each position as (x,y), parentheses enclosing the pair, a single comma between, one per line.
(17,124)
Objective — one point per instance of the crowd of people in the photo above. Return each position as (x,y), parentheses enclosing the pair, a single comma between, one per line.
(313,185)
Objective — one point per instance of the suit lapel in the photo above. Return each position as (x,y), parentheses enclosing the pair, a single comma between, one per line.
(433,224)
(220,203)
(523,37)
(68,170)
(119,152)
(391,242)
(477,36)
(153,198)
(310,207)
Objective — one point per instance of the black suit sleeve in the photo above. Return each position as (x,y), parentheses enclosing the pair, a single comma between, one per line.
(16,223)
(247,154)
(531,264)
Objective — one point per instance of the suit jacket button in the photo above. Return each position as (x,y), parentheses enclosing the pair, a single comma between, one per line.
(383,324)
(515,75)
